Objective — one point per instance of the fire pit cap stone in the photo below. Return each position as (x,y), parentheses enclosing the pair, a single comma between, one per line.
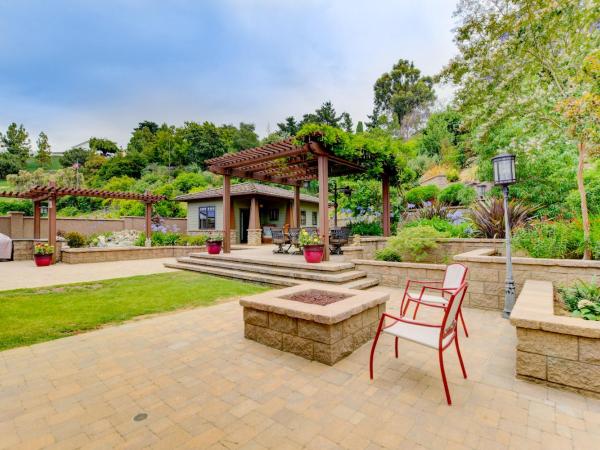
(356,302)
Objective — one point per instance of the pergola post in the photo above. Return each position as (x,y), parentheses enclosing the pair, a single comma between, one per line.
(52,224)
(226,213)
(254,214)
(296,207)
(148,224)
(323,174)
(37,218)
(385,194)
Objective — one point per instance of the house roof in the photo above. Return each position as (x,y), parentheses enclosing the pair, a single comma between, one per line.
(246,189)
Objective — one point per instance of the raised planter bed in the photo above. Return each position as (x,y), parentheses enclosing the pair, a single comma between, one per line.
(558,350)
(91,255)
(316,323)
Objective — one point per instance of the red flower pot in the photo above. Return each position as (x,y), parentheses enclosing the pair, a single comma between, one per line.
(313,253)
(42,260)
(213,247)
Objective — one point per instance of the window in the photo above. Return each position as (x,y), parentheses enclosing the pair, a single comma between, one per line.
(302,218)
(274,214)
(314,218)
(206,217)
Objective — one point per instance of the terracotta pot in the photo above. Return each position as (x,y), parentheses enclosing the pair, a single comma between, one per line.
(42,260)
(213,247)
(313,253)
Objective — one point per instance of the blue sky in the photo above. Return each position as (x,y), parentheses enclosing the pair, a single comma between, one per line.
(76,69)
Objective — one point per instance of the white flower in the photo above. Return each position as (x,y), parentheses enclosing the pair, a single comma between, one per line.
(583,303)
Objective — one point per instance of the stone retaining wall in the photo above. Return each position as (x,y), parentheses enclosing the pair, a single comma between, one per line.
(487,274)
(558,350)
(90,255)
(23,249)
(312,340)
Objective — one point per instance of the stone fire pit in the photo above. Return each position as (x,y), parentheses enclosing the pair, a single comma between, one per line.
(321,323)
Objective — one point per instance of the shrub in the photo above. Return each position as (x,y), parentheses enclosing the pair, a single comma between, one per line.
(366,228)
(431,210)
(387,254)
(452,175)
(421,194)
(9,204)
(457,194)
(456,230)
(192,240)
(582,299)
(75,239)
(413,243)
(488,216)
(550,240)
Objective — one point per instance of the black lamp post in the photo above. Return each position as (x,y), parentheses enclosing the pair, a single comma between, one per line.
(346,191)
(505,175)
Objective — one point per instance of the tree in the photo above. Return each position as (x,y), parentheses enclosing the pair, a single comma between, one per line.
(74,156)
(149,125)
(9,164)
(400,92)
(104,146)
(289,126)
(43,155)
(360,128)
(517,61)
(16,142)
(245,137)
(347,124)
(206,141)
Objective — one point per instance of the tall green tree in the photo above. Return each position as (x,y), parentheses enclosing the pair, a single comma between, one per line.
(518,60)
(16,142)
(43,155)
(399,92)
(289,127)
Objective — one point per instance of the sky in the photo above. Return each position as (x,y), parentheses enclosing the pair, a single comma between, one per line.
(76,69)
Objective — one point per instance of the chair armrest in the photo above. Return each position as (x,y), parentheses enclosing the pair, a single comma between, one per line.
(412,322)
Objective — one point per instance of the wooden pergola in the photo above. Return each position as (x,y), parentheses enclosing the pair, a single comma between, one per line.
(51,193)
(287,163)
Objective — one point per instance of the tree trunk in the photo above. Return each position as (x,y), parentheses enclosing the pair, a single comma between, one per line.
(587,254)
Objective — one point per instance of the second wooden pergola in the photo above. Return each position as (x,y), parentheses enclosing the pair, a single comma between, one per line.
(287,163)
(51,193)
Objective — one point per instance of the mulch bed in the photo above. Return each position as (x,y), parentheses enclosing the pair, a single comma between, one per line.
(317,297)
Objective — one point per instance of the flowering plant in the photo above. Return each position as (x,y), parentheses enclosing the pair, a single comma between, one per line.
(582,299)
(216,237)
(41,248)
(306,238)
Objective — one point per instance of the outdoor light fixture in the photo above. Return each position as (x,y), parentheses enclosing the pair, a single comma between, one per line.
(505,175)
(347,190)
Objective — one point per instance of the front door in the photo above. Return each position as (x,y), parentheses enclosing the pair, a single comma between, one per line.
(244,224)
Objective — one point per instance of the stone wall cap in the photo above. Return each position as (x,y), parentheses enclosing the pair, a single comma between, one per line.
(130,248)
(359,301)
(373,238)
(534,309)
(407,265)
(488,255)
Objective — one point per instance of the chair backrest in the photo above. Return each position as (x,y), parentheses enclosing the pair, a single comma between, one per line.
(455,276)
(340,234)
(294,233)
(277,235)
(451,311)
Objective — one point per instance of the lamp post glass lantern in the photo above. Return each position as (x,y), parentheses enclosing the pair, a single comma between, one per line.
(505,175)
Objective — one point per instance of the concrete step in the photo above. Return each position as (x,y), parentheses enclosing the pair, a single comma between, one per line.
(343,276)
(277,261)
(362,283)
(229,273)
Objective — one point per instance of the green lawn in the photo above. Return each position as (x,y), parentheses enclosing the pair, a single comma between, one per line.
(28,316)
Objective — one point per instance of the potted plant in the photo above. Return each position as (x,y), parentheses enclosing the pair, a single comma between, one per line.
(312,246)
(42,254)
(214,243)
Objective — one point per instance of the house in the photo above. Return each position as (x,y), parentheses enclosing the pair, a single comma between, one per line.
(274,205)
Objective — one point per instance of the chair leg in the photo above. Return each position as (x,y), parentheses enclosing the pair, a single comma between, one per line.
(396,346)
(448,399)
(462,364)
(381,321)
(462,319)
(403,308)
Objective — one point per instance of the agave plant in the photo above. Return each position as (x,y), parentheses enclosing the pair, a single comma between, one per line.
(431,210)
(488,216)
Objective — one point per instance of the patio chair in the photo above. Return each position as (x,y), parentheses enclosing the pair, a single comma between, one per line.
(338,237)
(454,277)
(278,238)
(436,336)
(294,235)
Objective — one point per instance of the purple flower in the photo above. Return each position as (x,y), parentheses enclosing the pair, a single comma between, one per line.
(411,205)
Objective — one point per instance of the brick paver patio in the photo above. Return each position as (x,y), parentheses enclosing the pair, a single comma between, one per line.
(202,385)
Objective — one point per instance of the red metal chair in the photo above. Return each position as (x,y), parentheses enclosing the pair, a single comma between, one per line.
(454,277)
(435,336)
